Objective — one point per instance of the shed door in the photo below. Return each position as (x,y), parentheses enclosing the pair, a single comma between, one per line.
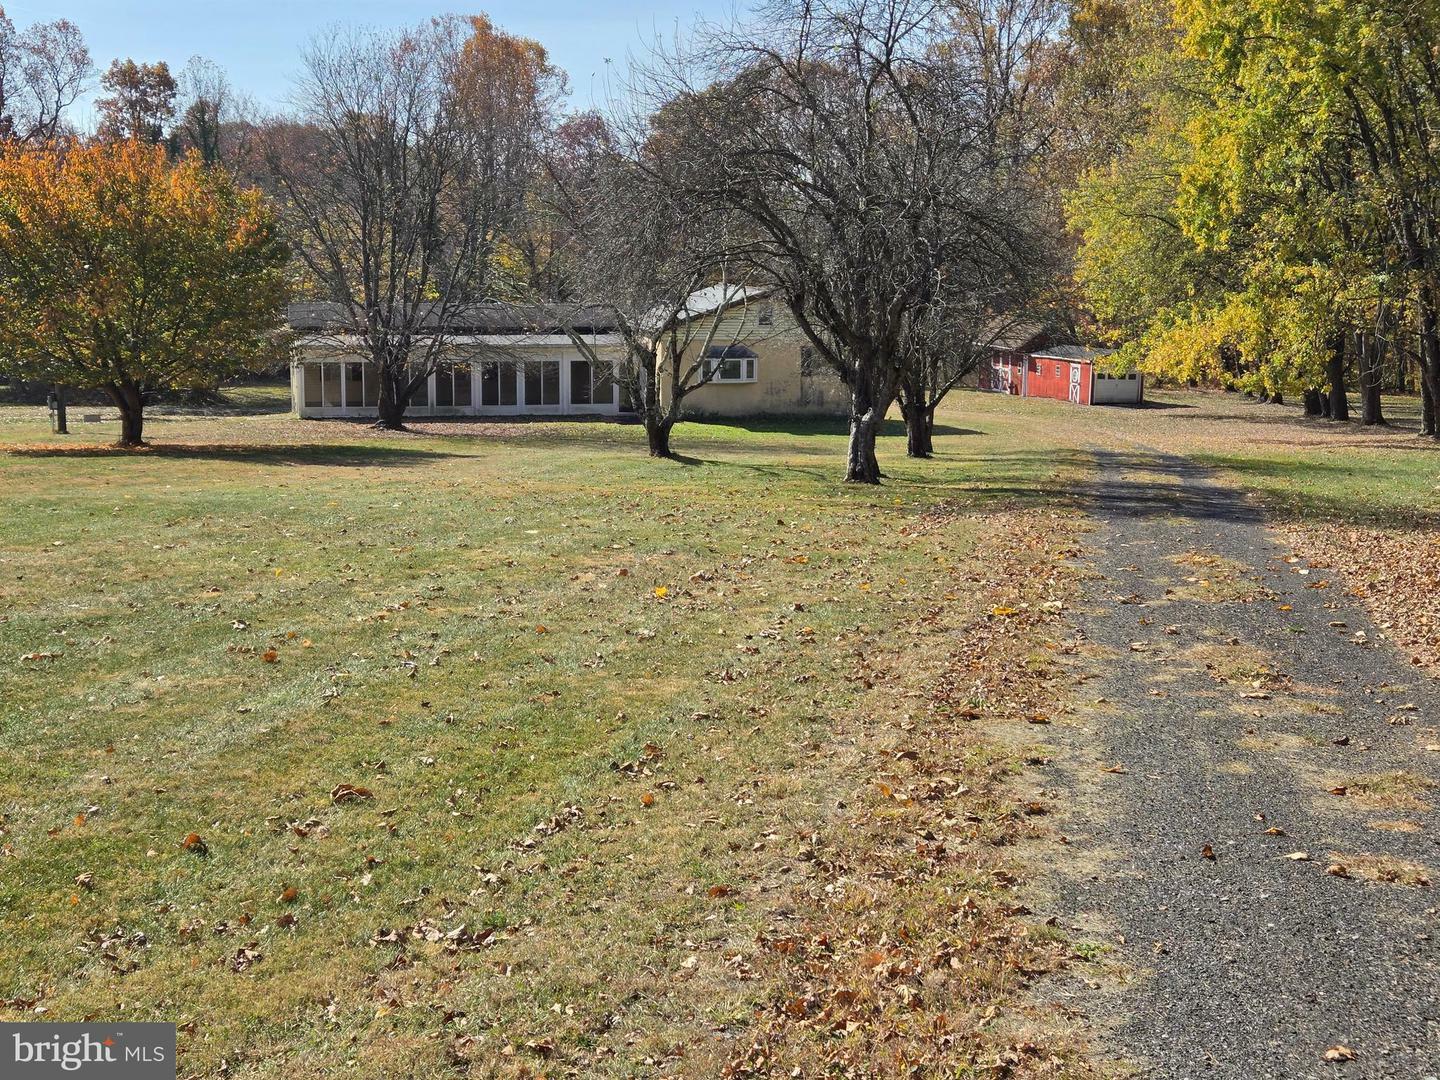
(1075,384)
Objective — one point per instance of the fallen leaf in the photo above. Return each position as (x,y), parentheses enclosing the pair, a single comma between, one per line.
(648,799)
(343,793)
(194,843)
(1297,856)
(288,895)
(1339,1052)
(270,656)
(1207,852)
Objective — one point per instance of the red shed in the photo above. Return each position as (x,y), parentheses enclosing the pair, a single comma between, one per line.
(1034,368)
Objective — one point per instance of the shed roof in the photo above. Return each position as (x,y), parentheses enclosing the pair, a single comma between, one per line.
(1071,352)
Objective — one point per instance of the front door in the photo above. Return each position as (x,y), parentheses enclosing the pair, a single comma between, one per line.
(1075,384)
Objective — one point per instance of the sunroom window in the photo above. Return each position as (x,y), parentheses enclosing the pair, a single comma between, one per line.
(730,363)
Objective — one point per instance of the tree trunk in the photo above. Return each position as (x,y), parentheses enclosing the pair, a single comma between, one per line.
(1277,398)
(62,424)
(919,425)
(1429,375)
(1313,405)
(1335,370)
(657,435)
(1371,374)
(390,409)
(131,403)
(866,415)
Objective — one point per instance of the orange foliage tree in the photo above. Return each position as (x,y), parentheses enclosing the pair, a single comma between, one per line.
(124,272)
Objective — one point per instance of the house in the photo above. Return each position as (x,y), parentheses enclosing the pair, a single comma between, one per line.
(523,360)
(504,360)
(1027,362)
(760,361)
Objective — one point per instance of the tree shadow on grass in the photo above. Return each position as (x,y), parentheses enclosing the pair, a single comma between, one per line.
(354,455)
(811,425)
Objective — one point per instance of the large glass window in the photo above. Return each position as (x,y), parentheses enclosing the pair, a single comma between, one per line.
(330,384)
(421,397)
(603,384)
(314,396)
(354,384)
(542,382)
(497,383)
(730,363)
(372,385)
(580,389)
(452,386)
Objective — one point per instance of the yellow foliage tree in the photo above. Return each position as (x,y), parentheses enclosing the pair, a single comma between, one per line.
(124,272)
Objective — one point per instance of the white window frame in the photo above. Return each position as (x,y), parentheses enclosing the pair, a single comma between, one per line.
(749,368)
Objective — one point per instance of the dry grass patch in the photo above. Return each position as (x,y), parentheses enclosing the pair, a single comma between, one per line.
(1386,869)
(1396,790)
(1210,577)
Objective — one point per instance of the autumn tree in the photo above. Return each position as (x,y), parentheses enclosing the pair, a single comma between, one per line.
(399,176)
(43,70)
(123,272)
(139,103)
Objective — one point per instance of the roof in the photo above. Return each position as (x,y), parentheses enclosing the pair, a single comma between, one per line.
(1072,352)
(1012,334)
(715,298)
(320,317)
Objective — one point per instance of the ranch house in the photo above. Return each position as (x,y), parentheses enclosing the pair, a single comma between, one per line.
(523,360)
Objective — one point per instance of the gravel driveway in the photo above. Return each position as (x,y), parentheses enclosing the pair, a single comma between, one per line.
(1250,820)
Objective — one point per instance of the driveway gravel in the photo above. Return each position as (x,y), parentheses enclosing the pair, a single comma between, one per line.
(1230,694)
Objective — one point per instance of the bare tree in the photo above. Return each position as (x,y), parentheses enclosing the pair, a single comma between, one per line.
(214,117)
(860,144)
(42,72)
(408,158)
(651,255)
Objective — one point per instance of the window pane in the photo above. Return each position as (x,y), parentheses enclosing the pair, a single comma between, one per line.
(354,384)
(508,382)
(331,385)
(312,386)
(580,382)
(532,383)
(552,383)
(421,397)
(604,383)
(489,384)
(445,387)
(462,385)
(372,385)
(730,369)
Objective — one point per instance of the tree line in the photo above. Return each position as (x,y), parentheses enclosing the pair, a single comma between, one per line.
(1260,193)
(874,165)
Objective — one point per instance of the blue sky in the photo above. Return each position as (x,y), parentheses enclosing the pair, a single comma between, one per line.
(259,43)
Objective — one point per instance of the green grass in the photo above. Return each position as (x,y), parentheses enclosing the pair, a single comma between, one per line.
(483,632)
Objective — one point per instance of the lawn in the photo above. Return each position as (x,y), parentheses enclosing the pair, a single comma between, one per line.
(501,749)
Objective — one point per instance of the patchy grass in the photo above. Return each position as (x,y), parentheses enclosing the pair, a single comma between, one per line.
(501,749)
(1385,791)
(1386,869)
